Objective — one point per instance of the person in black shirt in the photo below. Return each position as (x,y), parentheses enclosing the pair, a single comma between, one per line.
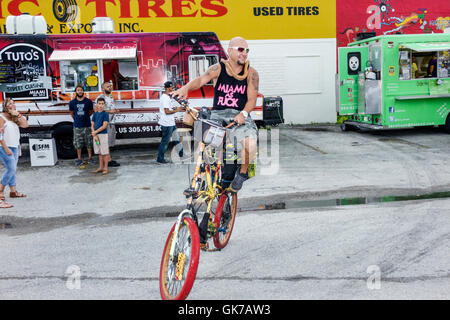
(235,92)
(81,109)
(432,67)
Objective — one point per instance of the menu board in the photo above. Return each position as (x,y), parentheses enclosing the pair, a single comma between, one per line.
(7,72)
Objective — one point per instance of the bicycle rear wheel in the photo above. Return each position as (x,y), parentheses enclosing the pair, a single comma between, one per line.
(224,219)
(177,277)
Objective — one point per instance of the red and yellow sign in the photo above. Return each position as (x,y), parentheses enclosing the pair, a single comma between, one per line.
(251,19)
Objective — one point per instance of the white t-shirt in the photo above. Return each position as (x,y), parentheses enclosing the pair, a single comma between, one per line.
(109,101)
(166,102)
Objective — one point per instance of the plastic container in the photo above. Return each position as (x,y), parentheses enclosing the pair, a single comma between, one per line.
(26,24)
(102,25)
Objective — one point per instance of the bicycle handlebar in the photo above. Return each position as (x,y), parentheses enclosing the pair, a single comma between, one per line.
(180,101)
(185,104)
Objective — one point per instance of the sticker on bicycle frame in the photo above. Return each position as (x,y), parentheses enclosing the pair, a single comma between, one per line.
(180,266)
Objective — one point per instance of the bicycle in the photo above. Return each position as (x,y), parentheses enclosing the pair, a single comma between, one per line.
(181,253)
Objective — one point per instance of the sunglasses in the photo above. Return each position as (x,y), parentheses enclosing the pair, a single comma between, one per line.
(241,49)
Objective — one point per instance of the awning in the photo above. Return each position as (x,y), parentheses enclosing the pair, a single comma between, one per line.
(121,51)
(426,46)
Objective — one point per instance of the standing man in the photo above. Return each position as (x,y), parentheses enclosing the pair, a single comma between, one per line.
(110,108)
(111,73)
(167,112)
(235,92)
(432,67)
(81,108)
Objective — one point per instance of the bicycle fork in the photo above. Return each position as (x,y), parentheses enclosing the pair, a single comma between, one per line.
(181,216)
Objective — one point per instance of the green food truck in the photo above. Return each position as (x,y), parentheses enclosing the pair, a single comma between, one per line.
(395,81)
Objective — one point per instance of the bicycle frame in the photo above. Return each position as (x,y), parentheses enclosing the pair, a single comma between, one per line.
(196,195)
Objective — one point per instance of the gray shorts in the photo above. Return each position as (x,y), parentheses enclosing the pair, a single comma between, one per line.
(111,131)
(236,134)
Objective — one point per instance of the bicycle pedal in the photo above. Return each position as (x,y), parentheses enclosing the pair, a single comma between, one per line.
(212,229)
(204,246)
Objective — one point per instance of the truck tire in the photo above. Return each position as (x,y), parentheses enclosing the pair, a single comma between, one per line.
(63,135)
(447,124)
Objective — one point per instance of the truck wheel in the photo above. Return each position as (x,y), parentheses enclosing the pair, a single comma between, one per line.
(447,124)
(64,141)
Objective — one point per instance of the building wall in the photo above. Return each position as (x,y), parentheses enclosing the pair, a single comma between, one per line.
(302,72)
(293,42)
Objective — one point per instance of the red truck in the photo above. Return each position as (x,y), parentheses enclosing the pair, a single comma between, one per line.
(56,64)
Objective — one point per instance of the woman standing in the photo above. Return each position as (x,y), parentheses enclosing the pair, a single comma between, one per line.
(10,121)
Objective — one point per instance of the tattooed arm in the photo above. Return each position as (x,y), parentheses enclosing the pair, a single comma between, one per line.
(252,90)
(212,73)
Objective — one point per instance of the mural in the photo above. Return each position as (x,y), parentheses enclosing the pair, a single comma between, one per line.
(390,17)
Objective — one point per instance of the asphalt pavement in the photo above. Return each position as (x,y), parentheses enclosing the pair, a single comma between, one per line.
(297,162)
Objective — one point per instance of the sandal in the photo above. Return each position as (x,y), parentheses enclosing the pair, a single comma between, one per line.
(105,172)
(16,194)
(4,204)
(2,197)
(97,171)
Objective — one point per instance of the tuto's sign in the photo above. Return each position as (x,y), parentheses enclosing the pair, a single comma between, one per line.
(23,72)
(269,19)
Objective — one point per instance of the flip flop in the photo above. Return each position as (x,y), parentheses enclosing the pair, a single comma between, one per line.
(97,171)
(5,205)
(17,195)
(105,172)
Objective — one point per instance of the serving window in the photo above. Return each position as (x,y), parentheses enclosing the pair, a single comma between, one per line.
(84,73)
(90,67)
(423,64)
(122,73)
(90,74)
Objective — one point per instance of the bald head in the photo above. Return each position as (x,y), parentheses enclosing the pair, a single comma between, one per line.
(238,50)
(238,41)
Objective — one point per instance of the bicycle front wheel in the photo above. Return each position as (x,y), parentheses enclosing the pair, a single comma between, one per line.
(177,276)
(224,219)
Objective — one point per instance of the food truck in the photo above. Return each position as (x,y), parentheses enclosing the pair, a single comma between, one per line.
(395,81)
(40,72)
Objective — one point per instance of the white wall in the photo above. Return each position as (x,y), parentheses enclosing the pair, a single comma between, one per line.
(302,72)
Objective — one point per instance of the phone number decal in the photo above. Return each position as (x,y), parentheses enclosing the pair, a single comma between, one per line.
(139,129)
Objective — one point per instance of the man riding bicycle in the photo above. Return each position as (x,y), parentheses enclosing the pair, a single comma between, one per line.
(235,92)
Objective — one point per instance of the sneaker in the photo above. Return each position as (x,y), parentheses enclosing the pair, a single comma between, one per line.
(163,161)
(238,181)
(78,162)
(91,161)
(113,163)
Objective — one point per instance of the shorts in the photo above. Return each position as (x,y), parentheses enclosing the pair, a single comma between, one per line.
(111,131)
(82,137)
(103,147)
(237,134)
(111,135)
